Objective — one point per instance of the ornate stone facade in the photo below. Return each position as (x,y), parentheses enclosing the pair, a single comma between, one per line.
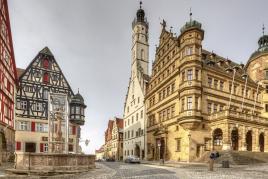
(198,101)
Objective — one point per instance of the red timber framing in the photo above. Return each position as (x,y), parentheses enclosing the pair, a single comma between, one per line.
(8,74)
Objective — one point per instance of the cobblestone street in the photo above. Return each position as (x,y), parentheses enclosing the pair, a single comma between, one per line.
(118,170)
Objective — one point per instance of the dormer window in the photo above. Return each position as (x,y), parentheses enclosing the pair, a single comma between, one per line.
(46,63)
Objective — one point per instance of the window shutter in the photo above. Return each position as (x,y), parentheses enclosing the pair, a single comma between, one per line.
(46,78)
(41,147)
(46,63)
(18,145)
(74,130)
(33,126)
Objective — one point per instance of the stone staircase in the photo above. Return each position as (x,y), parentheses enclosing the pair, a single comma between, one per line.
(236,157)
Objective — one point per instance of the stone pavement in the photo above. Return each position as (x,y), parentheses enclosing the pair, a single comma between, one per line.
(200,170)
(119,170)
(4,166)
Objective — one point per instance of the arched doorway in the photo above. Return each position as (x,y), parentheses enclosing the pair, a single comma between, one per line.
(234,139)
(3,146)
(217,139)
(137,150)
(261,142)
(249,140)
(162,148)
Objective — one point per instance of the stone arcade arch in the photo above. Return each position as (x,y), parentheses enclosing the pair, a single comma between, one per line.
(261,142)
(3,145)
(217,139)
(249,140)
(137,150)
(234,138)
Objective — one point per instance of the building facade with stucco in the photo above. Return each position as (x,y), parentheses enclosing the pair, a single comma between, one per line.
(134,107)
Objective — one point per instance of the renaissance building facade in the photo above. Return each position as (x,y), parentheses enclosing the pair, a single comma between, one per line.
(198,101)
(43,77)
(134,107)
(8,83)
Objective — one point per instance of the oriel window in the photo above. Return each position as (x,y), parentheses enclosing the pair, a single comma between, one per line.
(209,82)
(189,74)
(189,103)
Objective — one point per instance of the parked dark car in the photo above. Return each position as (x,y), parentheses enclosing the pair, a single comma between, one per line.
(132,159)
(110,160)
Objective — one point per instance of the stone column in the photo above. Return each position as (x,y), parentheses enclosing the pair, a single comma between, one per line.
(255,140)
(253,133)
(194,73)
(243,139)
(226,142)
(193,104)
(265,141)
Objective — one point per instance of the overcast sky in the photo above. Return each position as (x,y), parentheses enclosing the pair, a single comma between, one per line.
(91,41)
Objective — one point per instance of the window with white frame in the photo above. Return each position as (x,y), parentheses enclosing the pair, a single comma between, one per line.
(189,103)
(45,94)
(189,74)
(39,127)
(46,147)
(23,125)
(39,107)
(23,105)
(45,127)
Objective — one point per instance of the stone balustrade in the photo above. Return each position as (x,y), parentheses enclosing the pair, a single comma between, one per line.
(238,115)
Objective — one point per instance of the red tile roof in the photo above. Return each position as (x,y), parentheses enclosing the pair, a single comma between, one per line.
(20,72)
(119,122)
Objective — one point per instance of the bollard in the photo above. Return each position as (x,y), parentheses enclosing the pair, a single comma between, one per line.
(225,164)
(211,163)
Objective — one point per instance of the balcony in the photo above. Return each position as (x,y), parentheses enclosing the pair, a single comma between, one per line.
(227,114)
(190,119)
(190,84)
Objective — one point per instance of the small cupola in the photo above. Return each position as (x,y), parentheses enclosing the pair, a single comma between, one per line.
(263,45)
(77,106)
(140,14)
(192,24)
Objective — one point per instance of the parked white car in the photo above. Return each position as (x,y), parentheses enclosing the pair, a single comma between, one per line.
(132,159)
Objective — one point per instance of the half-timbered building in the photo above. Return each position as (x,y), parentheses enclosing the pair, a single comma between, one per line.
(42,77)
(8,80)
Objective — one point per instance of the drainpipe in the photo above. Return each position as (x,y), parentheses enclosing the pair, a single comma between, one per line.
(232,88)
(256,96)
(244,92)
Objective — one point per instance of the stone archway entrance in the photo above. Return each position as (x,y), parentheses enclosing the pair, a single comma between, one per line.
(261,142)
(3,146)
(234,138)
(217,139)
(249,140)
(137,150)
(162,148)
